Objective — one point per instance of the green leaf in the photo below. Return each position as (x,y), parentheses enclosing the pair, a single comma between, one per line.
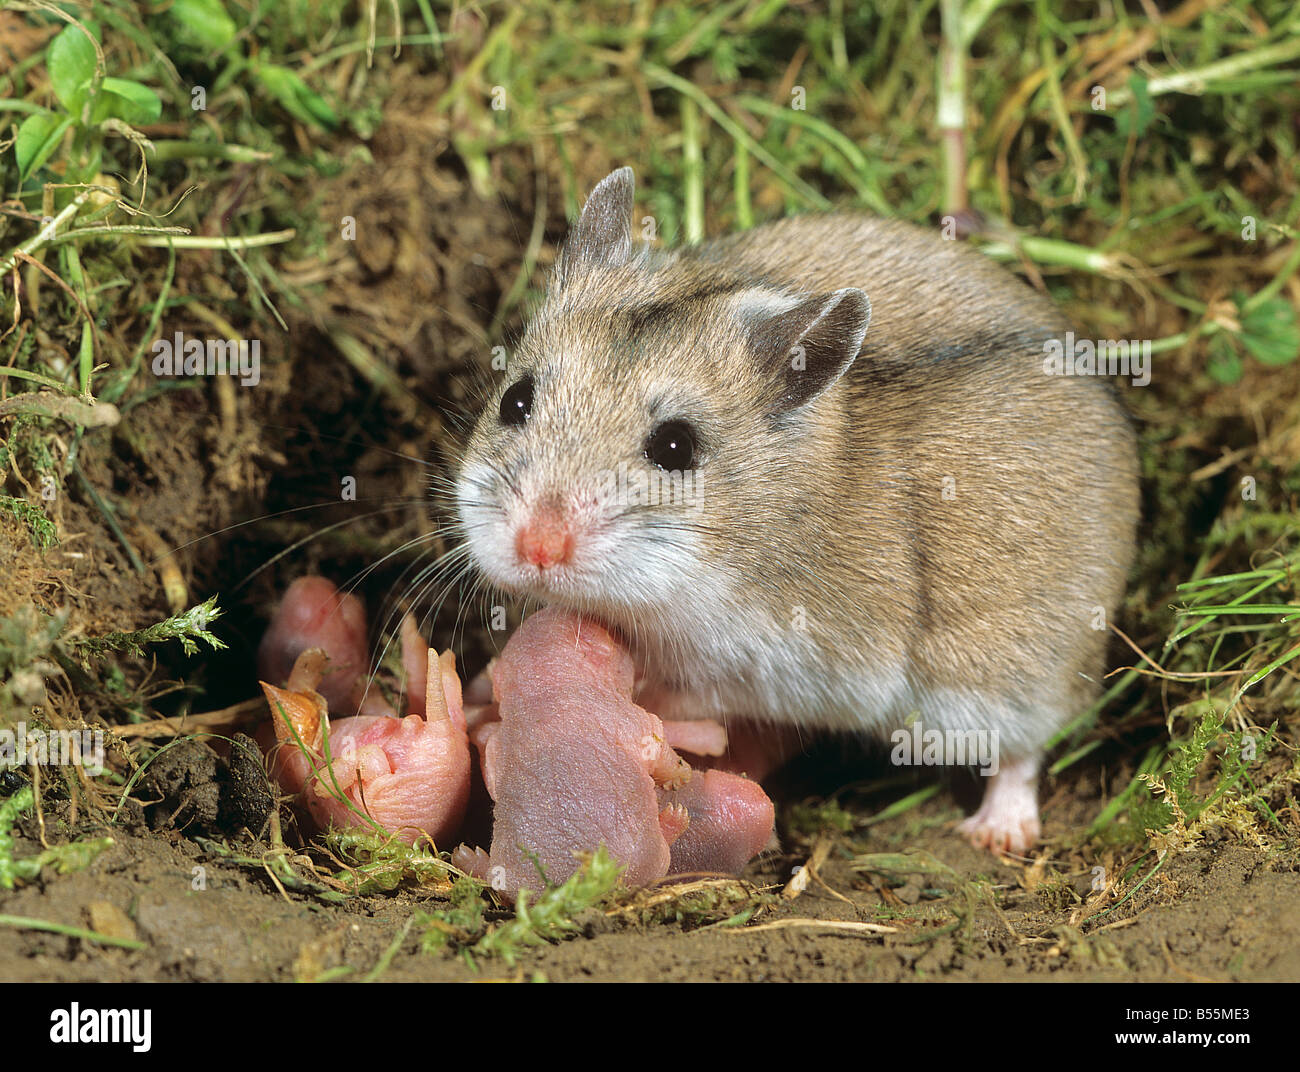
(128,101)
(1269,331)
(203,24)
(1224,365)
(37,138)
(296,97)
(71,63)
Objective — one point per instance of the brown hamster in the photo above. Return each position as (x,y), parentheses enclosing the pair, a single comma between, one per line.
(891,513)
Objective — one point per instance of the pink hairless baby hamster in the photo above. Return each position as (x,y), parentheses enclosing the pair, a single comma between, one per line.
(573,763)
(410,775)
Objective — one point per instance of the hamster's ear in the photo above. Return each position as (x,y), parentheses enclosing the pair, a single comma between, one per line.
(602,236)
(806,346)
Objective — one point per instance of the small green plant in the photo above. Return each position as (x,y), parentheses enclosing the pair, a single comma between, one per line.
(1234,632)
(378,863)
(93,104)
(721,902)
(552,916)
(64,858)
(813,818)
(206,33)
(188,627)
(1175,818)
(41,528)
(462,922)
(90,103)
(1266,330)
(549,919)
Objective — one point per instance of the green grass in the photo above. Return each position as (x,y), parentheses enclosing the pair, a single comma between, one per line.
(552,915)
(72,856)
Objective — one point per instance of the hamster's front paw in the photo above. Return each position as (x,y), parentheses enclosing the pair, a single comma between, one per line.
(1007,820)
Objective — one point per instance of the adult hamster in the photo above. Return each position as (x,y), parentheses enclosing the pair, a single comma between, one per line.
(911,522)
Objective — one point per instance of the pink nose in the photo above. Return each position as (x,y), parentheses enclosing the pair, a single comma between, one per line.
(545,539)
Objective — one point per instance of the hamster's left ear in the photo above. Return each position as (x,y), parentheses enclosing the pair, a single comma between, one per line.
(602,235)
(804,346)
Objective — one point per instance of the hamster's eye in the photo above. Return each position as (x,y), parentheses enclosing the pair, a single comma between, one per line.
(671,446)
(517,402)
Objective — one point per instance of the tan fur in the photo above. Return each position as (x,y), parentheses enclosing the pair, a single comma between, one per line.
(828,581)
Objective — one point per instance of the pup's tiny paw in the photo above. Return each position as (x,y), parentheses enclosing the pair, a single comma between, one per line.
(673,821)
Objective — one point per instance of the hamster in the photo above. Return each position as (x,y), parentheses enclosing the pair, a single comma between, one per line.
(818,476)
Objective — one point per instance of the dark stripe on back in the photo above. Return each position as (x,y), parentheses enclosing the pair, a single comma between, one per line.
(638,318)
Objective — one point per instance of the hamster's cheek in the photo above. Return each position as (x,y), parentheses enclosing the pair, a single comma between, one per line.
(662,559)
(485,524)
(490,549)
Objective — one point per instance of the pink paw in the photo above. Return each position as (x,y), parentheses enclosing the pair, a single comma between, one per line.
(1001,831)
(474,862)
(1007,820)
(673,821)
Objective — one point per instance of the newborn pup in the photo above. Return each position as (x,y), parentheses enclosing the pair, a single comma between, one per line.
(730,822)
(574,763)
(410,775)
(315,614)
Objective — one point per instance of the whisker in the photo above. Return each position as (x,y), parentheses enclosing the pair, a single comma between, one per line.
(276,514)
(355,580)
(390,633)
(317,534)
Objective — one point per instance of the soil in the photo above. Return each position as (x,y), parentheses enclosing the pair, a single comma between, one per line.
(1223,912)
(416,295)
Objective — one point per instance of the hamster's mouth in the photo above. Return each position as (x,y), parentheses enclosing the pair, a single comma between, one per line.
(558,586)
(570,590)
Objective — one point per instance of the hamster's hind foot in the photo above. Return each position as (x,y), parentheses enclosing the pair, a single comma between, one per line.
(1007,820)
